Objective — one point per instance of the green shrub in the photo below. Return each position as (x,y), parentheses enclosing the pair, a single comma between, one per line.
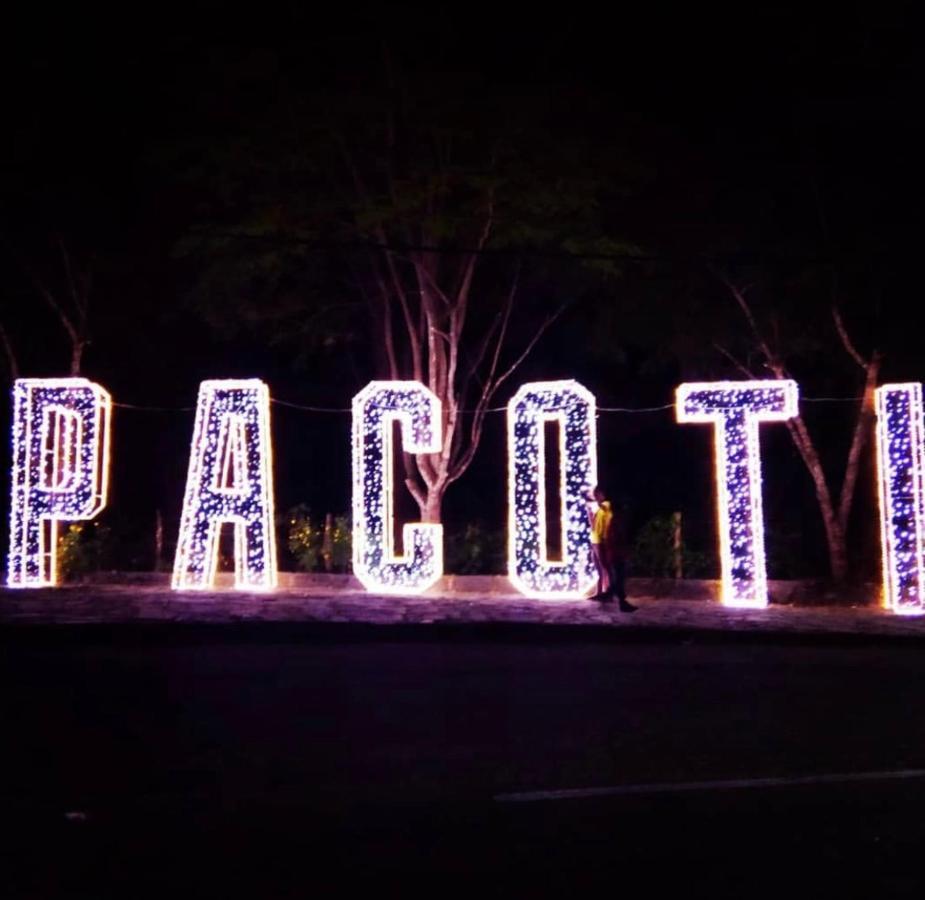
(475,550)
(83,547)
(654,554)
(305,539)
(341,544)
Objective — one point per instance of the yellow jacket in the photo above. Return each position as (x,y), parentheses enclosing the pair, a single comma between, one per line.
(601,522)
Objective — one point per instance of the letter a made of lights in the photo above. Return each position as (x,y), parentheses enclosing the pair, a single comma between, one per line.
(573,408)
(230,480)
(375,562)
(60,469)
(900,456)
(735,408)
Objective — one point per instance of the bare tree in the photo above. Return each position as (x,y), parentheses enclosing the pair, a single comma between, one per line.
(835,509)
(12,362)
(70,303)
(413,191)
(436,198)
(429,333)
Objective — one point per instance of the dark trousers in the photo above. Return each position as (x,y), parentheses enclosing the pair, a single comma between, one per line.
(616,573)
(610,569)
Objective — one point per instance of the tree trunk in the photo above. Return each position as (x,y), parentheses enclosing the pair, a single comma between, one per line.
(834,521)
(158,541)
(431,510)
(11,361)
(77,351)
(677,545)
(862,432)
(835,539)
(327,543)
(834,533)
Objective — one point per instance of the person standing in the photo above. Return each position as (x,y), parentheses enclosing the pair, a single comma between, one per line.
(610,548)
(598,512)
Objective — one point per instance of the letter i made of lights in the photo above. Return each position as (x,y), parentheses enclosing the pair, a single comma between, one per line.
(900,457)
(735,408)
(375,562)
(230,481)
(529,568)
(60,469)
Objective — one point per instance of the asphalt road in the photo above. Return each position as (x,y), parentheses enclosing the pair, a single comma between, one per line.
(303,762)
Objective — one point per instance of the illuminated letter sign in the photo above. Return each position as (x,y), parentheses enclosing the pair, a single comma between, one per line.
(736,408)
(60,469)
(902,506)
(230,480)
(573,408)
(374,560)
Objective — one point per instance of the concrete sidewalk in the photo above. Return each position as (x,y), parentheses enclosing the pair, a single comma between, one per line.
(343,601)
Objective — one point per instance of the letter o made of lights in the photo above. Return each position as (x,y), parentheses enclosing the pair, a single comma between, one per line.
(530,570)
(375,562)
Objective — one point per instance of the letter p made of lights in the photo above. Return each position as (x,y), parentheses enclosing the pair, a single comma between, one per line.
(735,408)
(60,469)
(230,481)
(375,562)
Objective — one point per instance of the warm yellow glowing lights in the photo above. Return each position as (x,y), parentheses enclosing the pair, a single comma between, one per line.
(735,408)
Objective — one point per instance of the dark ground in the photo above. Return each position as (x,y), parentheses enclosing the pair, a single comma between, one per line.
(299,761)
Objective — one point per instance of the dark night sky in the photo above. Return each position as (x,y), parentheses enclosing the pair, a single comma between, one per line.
(780,131)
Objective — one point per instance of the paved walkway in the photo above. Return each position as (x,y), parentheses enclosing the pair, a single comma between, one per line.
(112,604)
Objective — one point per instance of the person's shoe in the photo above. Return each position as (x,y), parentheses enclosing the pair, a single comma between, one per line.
(603,597)
(627,607)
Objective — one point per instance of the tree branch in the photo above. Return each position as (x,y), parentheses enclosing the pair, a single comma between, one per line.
(11,361)
(807,449)
(462,293)
(858,440)
(386,312)
(414,339)
(425,276)
(69,274)
(465,457)
(735,362)
(49,298)
(846,339)
(550,320)
(739,296)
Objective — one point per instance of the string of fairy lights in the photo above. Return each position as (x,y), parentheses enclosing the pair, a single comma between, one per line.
(275,401)
(61,451)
